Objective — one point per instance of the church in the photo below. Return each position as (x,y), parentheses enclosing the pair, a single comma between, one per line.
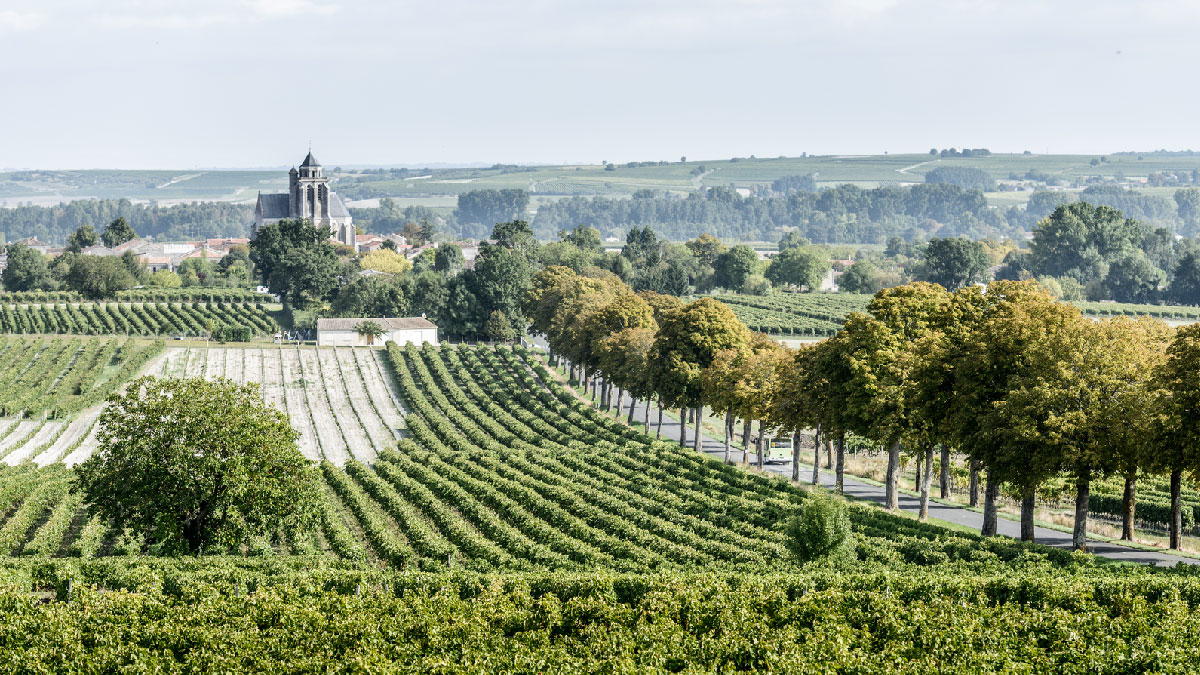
(308,196)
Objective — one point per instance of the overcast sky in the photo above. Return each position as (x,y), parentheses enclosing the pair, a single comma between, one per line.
(248,83)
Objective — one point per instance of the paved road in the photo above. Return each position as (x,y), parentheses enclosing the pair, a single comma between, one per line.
(953,514)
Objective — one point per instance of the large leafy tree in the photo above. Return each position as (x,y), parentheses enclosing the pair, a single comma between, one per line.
(1079,239)
(954,262)
(96,277)
(296,260)
(27,270)
(118,232)
(687,342)
(883,361)
(1177,444)
(83,237)
(799,266)
(733,266)
(197,465)
(374,296)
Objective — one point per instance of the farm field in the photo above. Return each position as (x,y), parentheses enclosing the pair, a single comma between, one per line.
(132,318)
(577,179)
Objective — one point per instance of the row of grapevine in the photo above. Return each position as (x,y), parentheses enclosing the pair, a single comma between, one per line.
(145,294)
(120,318)
(57,377)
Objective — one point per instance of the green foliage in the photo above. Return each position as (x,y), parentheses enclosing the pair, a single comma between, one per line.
(479,210)
(83,237)
(118,232)
(26,270)
(296,260)
(820,530)
(966,177)
(197,465)
(97,277)
(954,262)
(733,266)
(498,328)
(799,266)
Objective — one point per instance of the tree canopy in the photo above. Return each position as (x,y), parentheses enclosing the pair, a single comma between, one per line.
(197,465)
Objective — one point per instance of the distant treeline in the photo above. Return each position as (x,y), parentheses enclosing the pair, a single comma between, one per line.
(197,220)
(842,214)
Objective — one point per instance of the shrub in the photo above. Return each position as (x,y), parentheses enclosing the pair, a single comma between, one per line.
(821,529)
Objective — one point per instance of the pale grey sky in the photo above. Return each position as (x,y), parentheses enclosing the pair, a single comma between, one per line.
(243,83)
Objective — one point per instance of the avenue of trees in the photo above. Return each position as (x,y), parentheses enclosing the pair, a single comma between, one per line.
(1023,387)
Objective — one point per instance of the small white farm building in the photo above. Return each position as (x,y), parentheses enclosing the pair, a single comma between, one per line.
(344,332)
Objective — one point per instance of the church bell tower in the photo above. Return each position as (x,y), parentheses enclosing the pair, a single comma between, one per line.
(309,192)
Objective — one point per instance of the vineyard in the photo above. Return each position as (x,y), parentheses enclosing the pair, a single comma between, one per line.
(798,314)
(500,467)
(341,400)
(144,294)
(133,318)
(822,314)
(511,526)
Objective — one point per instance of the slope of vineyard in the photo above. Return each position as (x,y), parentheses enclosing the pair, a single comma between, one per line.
(341,400)
(498,467)
(132,318)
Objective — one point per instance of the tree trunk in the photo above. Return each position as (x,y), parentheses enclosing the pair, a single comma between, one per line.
(683,427)
(632,407)
(762,442)
(892,497)
(917,471)
(658,434)
(973,483)
(927,483)
(646,416)
(944,478)
(828,453)
(796,456)
(746,434)
(1176,510)
(816,477)
(989,507)
(1128,504)
(1027,504)
(698,439)
(841,462)
(620,400)
(1083,490)
(728,433)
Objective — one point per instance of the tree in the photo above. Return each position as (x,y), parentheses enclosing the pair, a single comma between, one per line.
(498,328)
(821,530)
(448,259)
(954,262)
(733,266)
(118,232)
(793,239)
(96,277)
(623,359)
(1185,282)
(586,238)
(296,261)
(81,238)
(801,267)
(883,363)
(1177,442)
(861,277)
(136,268)
(963,176)
(706,249)
(195,271)
(197,465)
(164,279)
(1187,205)
(375,296)
(686,343)
(27,270)
(1133,278)
(1079,240)
(388,262)
(370,330)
